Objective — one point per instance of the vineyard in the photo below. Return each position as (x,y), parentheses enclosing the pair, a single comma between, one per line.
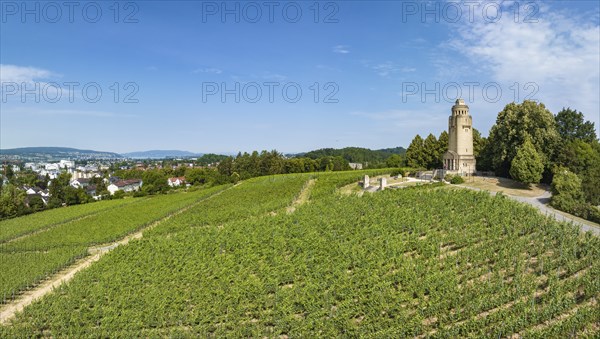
(416,262)
(13,228)
(29,259)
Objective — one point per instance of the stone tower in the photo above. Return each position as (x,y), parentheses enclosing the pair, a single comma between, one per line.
(459,158)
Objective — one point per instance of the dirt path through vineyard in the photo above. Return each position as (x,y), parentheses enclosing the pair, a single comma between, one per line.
(10,310)
(302,197)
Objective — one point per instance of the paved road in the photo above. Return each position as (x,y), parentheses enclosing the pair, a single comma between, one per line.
(541,202)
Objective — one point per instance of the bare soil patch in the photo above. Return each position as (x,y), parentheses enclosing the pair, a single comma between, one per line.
(505,185)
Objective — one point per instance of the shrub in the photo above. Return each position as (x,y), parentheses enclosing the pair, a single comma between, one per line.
(457,179)
(403,171)
(140,193)
(396,172)
(118,195)
(567,196)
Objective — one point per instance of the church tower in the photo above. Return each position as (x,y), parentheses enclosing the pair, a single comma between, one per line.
(459,158)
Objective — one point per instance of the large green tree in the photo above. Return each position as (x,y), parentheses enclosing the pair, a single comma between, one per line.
(395,160)
(60,190)
(527,166)
(566,190)
(8,172)
(154,182)
(571,125)
(578,156)
(271,163)
(35,203)
(483,152)
(580,152)
(431,149)
(591,178)
(225,166)
(443,140)
(478,142)
(12,202)
(101,188)
(415,154)
(514,124)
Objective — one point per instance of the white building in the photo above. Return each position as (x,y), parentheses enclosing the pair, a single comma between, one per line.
(80,182)
(85,175)
(66,164)
(125,185)
(176,181)
(31,165)
(52,174)
(51,167)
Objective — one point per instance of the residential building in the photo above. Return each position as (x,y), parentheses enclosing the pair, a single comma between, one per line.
(125,185)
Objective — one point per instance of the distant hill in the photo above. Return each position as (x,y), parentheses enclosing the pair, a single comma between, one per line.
(160,154)
(57,152)
(355,154)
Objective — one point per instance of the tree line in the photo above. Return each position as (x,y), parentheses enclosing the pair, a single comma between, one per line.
(357,154)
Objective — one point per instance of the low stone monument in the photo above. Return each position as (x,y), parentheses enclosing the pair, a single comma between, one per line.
(382,183)
(366,182)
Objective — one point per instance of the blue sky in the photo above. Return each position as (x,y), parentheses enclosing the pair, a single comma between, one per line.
(372,74)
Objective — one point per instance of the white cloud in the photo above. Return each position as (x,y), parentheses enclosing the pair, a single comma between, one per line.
(560,53)
(20,74)
(210,70)
(342,49)
(388,68)
(31,78)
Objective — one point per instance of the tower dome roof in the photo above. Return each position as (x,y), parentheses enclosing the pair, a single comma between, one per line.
(460,108)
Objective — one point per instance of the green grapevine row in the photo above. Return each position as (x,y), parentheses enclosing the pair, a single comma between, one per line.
(29,260)
(252,198)
(13,228)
